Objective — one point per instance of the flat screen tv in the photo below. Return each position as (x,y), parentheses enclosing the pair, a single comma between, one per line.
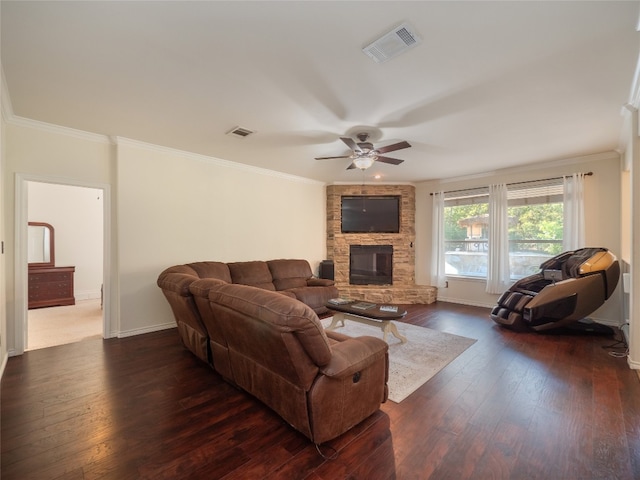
(370,214)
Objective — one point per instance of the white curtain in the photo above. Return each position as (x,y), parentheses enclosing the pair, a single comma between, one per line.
(573,235)
(438,277)
(498,258)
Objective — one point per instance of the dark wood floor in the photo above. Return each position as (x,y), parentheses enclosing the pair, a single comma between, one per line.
(513,406)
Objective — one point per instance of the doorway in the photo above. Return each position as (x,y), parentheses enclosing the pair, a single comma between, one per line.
(92,277)
(76,216)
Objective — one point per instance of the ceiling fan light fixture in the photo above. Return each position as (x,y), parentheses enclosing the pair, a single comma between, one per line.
(364,162)
(363,153)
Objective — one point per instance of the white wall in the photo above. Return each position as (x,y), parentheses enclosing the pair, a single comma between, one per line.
(603,222)
(167,207)
(4,339)
(175,207)
(76,214)
(631,221)
(50,154)
(625,213)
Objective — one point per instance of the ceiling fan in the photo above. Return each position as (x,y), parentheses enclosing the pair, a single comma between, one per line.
(364,155)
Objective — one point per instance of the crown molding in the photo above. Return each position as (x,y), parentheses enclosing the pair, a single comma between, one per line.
(212,160)
(5,101)
(631,107)
(628,111)
(115,140)
(10,118)
(58,130)
(634,95)
(532,167)
(371,184)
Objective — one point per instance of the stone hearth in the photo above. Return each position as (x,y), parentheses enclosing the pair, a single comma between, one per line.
(404,289)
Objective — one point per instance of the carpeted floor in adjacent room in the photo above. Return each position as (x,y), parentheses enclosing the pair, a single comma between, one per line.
(53,326)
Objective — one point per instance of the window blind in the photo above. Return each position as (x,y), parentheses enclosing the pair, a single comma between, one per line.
(534,192)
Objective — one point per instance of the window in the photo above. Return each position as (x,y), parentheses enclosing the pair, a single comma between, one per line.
(535,228)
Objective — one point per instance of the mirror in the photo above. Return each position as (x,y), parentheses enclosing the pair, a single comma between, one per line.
(40,245)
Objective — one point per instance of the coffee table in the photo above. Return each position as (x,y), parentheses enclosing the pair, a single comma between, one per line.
(370,314)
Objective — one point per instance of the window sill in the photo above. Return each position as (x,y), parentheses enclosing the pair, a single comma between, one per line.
(464,278)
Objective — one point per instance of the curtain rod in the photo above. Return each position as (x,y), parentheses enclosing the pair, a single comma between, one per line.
(588,174)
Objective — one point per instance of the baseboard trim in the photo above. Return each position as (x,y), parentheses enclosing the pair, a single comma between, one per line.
(633,365)
(87,295)
(461,301)
(606,321)
(464,301)
(142,331)
(4,364)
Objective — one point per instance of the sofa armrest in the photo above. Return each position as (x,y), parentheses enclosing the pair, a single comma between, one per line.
(200,288)
(336,336)
(176,282)
(354,355)
(319,282)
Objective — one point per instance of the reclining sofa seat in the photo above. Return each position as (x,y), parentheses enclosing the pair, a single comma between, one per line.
(291,277)
(568,287)
(321,383)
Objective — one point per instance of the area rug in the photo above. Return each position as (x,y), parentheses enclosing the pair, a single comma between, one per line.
(411,364)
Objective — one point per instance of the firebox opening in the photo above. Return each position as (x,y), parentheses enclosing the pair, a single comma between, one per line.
(370,264)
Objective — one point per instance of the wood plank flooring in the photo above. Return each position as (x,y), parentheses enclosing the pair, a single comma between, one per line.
(512,406)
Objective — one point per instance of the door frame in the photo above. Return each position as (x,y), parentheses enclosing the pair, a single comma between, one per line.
(21,263)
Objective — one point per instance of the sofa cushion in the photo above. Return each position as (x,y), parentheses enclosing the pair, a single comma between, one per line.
(320,282)
(217,270)
(289,273)
(315,297)
(255,274)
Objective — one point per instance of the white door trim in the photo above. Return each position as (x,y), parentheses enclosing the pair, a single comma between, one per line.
(110,323)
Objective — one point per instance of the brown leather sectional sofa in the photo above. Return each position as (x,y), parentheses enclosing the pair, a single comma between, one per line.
(291,277)
(260,335)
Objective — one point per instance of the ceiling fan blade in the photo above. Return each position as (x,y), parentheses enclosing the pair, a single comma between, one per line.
(331,158)
(351,144)
(393,161)
(394,147)
(351,166)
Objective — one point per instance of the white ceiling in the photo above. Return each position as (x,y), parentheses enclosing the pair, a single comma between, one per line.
(492,85)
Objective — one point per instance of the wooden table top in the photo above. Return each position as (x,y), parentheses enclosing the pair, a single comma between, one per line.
(368,309)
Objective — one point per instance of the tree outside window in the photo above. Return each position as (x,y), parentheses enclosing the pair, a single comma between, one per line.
(535,234)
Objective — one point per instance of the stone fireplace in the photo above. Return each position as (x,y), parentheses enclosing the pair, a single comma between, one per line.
(402,287)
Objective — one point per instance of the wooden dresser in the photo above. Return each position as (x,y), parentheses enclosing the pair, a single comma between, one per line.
(51,286)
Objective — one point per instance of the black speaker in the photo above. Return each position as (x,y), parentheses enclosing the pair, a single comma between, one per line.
(326,269)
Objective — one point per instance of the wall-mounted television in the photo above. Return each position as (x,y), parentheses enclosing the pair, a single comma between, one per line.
(370,214)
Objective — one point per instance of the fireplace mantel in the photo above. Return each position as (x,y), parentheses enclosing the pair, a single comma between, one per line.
(404,288)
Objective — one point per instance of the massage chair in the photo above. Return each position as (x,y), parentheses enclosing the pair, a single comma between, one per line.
(568,287)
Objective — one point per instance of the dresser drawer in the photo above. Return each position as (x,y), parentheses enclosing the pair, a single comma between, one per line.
(51,277)
(51,286)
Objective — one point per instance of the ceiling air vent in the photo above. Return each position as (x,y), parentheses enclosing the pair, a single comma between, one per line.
(392,44)
(240,132)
